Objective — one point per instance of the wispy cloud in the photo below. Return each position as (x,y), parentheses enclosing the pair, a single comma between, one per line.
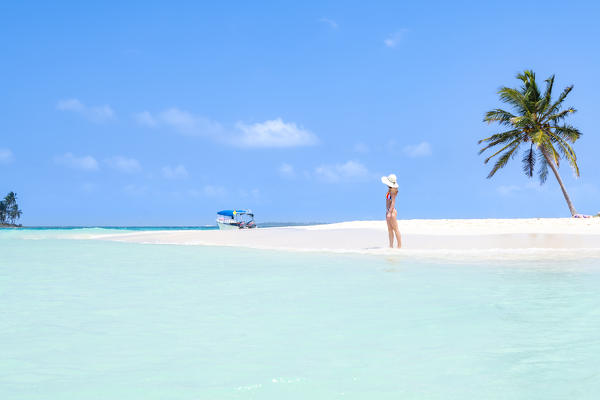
(145,118)
(422,149)
(332,24)
(96,114)
(348,171)
(6,156)
(84,163)
(181,121)
(395,38)
(175,172)
(274,133)
(124,164)
(268,134)
(287,171)
(190,124)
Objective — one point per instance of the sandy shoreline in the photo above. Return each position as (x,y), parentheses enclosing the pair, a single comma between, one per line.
(371,236)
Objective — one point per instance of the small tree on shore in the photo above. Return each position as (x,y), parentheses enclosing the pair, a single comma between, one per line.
(538,125)
(9,209)
(3,213)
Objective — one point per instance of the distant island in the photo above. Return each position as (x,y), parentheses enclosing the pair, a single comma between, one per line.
(9,211)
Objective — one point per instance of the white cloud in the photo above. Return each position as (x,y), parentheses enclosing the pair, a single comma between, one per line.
(395,38)
(422,149)
(176,172)
(330,22)
(6,156)
(85,163)
(124,164)
(181,121)
(94,114)
(145,118)
(350,170)
(287,171)
(270,133)
(273,133)
(184,121)
(70,105)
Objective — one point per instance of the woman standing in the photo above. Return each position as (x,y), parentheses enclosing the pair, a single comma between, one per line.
(390,209)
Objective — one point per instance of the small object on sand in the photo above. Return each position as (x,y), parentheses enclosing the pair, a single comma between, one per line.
(581,216)
(235,219)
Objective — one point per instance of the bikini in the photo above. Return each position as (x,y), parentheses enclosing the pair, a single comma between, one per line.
(388,196)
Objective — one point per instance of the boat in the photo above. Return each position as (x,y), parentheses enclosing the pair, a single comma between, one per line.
(235,219)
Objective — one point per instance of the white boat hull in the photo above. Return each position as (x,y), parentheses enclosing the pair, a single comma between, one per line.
(226,226)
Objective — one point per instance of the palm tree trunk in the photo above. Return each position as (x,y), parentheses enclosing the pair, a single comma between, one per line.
(560,182)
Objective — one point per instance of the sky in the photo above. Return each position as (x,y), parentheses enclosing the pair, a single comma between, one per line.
(162,113)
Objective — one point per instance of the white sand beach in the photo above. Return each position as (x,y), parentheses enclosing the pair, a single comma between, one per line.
(371,236)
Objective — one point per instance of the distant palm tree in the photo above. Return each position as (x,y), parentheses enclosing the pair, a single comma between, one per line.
(9,209)
(536,125)
(3,212)
(15,214)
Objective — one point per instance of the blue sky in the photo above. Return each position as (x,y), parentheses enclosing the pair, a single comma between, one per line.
(161,113)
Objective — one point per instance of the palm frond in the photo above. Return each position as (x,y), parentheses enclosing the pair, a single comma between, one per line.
(567,152)
(498,115)
(514,98)
(529,162)
(568,132)
(548,92)
(561,115)
(551,151)
(531,90)
(516,142)
(525,121)
(503,160)
(557,104)
(499,138)
(545,101)
(543,169)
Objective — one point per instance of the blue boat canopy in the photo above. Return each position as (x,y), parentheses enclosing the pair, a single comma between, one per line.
(232,213)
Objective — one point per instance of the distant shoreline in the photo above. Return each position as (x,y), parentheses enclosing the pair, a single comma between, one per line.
(160,227)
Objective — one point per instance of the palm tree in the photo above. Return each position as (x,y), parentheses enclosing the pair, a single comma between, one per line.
(538,126)
(3,212)
(10,209)
(15,214)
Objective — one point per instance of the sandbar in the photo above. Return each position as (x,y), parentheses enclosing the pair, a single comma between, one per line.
(371,236)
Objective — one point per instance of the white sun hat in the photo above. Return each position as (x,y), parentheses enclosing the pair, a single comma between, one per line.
(390,180)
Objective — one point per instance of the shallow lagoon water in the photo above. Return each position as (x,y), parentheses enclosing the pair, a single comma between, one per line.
(83,319)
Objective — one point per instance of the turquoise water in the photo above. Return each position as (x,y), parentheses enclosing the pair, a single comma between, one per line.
(83,319)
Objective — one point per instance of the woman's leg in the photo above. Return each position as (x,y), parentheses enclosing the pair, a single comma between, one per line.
(396,230)
(390,230)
